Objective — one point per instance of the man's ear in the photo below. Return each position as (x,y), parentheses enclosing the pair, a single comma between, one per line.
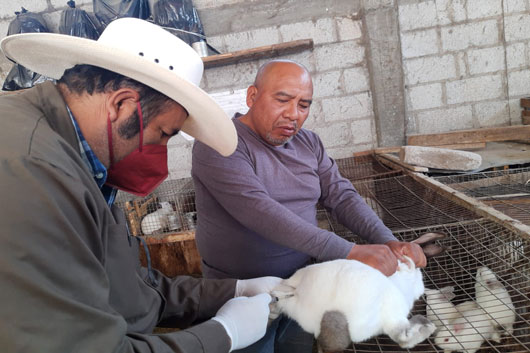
(252,92)
(122,103)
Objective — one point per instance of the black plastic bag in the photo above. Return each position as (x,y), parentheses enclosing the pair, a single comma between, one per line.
(182,17)
(19,77)
(107,11)
(76,22)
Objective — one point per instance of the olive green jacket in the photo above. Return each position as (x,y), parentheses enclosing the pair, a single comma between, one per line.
(70,278)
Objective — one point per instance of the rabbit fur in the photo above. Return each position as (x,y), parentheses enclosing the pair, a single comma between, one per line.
(370,303)
(157,220)
(493,297)
(466,330)
(440,309)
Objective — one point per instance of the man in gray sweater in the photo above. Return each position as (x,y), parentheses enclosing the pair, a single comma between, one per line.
(257,208)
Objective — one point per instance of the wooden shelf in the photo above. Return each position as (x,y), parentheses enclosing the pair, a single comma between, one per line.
(266,51)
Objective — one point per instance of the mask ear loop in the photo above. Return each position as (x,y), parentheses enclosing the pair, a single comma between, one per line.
(141,125)
(109,139)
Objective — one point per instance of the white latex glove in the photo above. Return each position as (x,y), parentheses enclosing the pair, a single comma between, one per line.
(254,286)
(244,319)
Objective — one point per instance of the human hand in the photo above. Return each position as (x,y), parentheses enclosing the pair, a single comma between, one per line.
(377,256)
(254,286)
(412,250)
(244,319)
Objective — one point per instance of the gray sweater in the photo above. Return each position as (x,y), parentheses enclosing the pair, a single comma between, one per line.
(257,208)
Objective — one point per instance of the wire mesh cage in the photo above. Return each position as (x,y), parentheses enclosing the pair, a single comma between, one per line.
(169,209)
(508,191)
(364,167)
(470,246)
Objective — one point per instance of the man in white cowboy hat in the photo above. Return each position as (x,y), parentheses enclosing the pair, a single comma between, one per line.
(70,277)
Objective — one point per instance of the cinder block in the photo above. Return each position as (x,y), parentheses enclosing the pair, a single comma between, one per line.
(333,135)
(327,84)
(347,108)
(480,8)
(518,83)
(492,113)
(440,158)
(474,89)
(321,31)
(447,119)
(516,27)
(218,42)
(450,11)
(515,112)
(486,60)
(349,29)
(421,15)
(419,43)
(338,55)
(8,8)
(362,131)
(252,39)
(429,69)
(425,96)
(470,34)
(204,4)
(516,56)
(238,75)
(511,6)
(179,158)
(356,79)
(305,58)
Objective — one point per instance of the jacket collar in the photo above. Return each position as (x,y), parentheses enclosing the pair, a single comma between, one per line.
(47,97)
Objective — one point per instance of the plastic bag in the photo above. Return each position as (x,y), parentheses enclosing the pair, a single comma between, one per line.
(76,22)
(181,18)
(107,11)
(19,77)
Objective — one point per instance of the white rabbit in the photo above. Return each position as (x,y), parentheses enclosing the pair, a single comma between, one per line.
(439,307)
(466,331)
(157,220)
(354,302)
(493,297)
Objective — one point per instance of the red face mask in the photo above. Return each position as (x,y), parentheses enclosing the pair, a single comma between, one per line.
(141,171)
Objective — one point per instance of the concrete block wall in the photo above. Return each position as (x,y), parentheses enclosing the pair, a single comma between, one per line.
(465,63)
(382,69)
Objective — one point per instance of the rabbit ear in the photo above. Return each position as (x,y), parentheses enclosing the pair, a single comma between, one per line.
(458,327)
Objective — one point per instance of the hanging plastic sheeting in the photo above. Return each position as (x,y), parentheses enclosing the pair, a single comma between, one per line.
(107,11)
(181,18)
(19,77)
(76,22)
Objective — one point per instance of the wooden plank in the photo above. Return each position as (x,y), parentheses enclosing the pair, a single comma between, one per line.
(507,133)
(395,161)
(266,51)
(396,149)
(474,205)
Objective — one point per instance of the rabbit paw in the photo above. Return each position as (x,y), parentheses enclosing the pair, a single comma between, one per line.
(419,329)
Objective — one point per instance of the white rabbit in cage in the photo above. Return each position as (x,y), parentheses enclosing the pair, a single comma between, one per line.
(493,297)
(467,330)
(344,301)
(158,220)
(439,307)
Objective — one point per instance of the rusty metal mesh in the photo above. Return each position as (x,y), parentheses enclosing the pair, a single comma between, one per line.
(473,244)
(507,191)
(146,216)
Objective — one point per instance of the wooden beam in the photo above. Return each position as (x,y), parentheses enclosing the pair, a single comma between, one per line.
(266,51)
(474,205)
(507,133)
(396,149)
(396,162)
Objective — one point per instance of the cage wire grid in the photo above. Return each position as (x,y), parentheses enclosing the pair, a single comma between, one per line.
(508,191)
(409,208)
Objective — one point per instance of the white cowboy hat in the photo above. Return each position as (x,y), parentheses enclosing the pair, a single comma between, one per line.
(142,51)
